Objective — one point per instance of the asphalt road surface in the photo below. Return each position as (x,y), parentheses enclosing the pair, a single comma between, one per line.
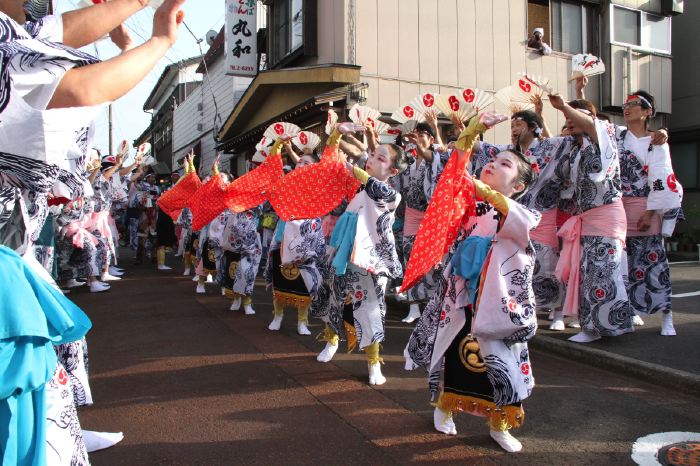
(191,383)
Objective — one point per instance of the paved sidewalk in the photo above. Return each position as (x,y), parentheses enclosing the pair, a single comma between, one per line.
(646,352)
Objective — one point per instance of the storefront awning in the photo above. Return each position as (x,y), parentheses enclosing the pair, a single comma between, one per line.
(279,94)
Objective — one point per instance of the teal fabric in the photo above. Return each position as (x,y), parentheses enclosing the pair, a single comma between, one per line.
(279,232)
(468,260)
(33,317)
(343,240)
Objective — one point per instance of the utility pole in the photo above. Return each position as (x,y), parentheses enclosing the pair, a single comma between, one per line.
(111,136)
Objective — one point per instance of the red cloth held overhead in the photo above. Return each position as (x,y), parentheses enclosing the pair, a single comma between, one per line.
(176,198)
(314,190)
(207,202)
(251,189)
(453,198)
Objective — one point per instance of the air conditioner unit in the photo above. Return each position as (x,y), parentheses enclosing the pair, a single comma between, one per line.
(672,7)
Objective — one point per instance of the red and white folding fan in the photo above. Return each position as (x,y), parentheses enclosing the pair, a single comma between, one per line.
(585,64)
(306,140)
(454,106)
(281,129)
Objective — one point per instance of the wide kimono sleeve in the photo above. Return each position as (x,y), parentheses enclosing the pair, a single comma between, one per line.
(506,304)
(607,150)
(30,71)
(665,192)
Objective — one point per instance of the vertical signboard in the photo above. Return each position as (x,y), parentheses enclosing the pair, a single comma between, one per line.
(241,40)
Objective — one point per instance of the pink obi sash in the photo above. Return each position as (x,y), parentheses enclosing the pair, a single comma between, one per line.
(634,208)
(411,221)
(100,222)
(328,225)
(546,232)
(77,231)
(609,221)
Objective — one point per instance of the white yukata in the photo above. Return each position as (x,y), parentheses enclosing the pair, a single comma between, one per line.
(481,335)
(41,152)
(648,183)
(242,252)
(542,196)
(372,261)
(593,198)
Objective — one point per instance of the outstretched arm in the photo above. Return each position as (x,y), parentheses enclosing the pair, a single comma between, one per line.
(95,84)
(580,119)
(84,26)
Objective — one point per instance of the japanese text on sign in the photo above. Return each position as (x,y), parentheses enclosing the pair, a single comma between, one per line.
(241,37)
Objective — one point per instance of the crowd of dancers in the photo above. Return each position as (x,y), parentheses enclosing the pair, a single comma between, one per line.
(477,238)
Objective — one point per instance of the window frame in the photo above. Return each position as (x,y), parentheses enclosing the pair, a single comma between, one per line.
(276,59)
(640,25)
(592,30)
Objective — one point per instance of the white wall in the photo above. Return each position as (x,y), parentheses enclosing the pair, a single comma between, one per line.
(228,90)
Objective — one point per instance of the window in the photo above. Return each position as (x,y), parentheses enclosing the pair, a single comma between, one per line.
(685,163)
(570,26)
(286,28)
(641,29)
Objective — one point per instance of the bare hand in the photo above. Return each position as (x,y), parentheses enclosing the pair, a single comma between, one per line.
(459,124)
(659,138)
(581,83)
(556,101)
(491,119)
(644,222)
(121,38)
(167,20)
(431,118)
(539,105)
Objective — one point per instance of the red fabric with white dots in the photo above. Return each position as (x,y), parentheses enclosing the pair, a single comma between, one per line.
(314,190)
(176,198)
(453,198)
(252,189)
(207,202)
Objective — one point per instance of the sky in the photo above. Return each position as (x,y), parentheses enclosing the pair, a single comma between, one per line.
(129,119)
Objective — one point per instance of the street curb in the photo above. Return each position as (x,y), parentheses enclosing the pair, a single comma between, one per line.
(655,373)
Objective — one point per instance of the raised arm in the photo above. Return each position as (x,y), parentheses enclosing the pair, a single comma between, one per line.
(580,119)
(86,25)
(95,84)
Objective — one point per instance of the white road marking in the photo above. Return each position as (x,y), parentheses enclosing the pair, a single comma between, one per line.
(683,262)
(686,295)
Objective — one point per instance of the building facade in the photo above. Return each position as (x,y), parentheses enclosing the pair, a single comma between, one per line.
(400,48)
(685,120)
(197,119)
(174,86)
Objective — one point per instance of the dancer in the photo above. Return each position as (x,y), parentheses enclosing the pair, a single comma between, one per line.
(483,312)
(294,260)
(649,191)
(592,262)
(364,260)
(242,254)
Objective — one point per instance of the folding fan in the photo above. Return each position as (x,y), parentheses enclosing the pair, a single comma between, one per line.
(306,140)
(585,64)
(331,121)
(425,102)
(360,114)
(407,113)
(523,90)
(143,151)
(477,98)
(504,96)
(539,81)
(259,156)
(281,129)
(123,149)
(454,105)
